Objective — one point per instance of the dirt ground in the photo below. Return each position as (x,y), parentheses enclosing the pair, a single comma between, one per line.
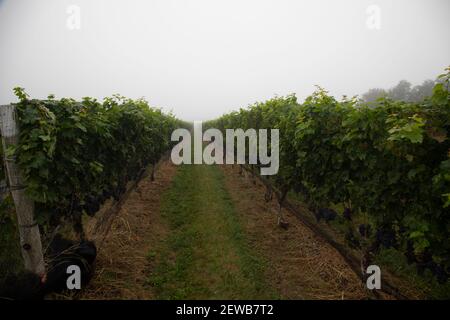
(122,257)
(302,266)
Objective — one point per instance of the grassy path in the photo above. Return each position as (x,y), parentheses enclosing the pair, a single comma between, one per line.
(206,232)
(206,255)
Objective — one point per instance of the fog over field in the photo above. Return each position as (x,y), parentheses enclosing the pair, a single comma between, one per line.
(202,58)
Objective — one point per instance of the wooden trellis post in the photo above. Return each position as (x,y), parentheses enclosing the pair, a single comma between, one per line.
(30,238)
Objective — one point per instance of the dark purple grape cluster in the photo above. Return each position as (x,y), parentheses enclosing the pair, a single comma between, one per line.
(347,214)
(325,214)
(385,236)
(365,230)
(425,261)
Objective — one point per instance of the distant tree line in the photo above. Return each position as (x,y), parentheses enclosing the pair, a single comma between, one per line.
(403,91)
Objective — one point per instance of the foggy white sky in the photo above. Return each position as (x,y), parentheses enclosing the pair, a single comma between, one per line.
(202,58)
